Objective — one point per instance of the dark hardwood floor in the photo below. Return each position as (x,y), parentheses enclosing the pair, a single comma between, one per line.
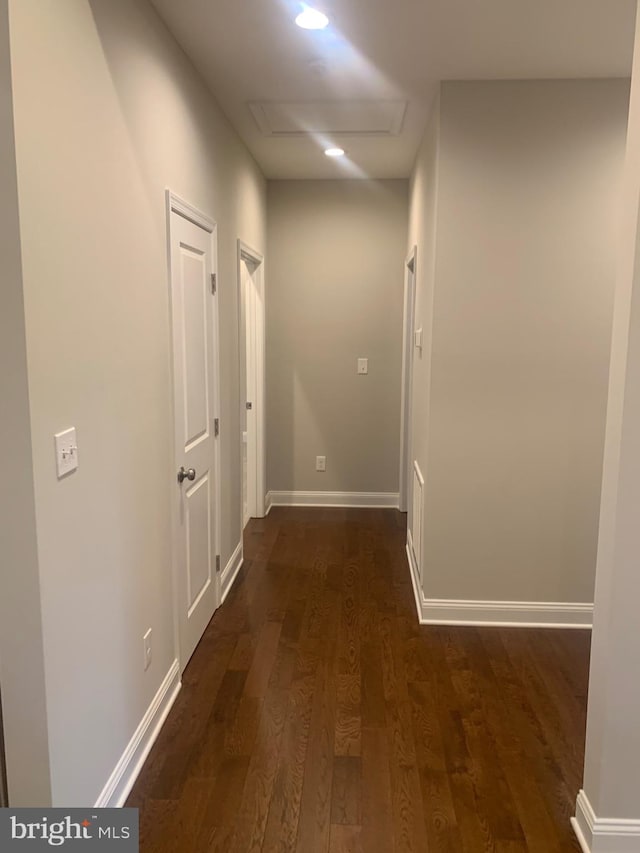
(317,716)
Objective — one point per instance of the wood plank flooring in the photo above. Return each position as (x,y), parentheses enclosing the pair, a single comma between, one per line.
(317,716)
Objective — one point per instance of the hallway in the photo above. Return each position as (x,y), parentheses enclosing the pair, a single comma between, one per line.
(316,715)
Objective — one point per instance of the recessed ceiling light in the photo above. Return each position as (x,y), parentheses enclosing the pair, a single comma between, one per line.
(334,152)
(312,19)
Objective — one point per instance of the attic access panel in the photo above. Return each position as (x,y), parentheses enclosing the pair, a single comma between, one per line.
(352,118)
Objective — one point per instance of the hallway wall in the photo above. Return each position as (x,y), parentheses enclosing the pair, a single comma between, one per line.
(109,113)
(608,807)
(334,294)
(515,278)
(23,714)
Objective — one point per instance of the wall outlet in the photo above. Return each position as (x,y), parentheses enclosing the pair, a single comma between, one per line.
(363,366)
(147,649)
(321,463)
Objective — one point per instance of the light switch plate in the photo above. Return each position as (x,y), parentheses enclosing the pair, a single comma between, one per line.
(147,650)
(363,366)
(66,452)
(417,337)
(321,463)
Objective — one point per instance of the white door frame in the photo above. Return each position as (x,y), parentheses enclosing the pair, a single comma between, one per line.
(175,204)
(406,466)
(255,262)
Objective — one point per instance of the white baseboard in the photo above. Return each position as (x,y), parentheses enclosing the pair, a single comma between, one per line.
(383,500)
(521,614)
(524,614)
(120,783)
(415,577)
(268,503)
(231,571)
(603,835)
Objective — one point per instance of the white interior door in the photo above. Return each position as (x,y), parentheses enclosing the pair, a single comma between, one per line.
(196,464)
(252,381)
(408,352)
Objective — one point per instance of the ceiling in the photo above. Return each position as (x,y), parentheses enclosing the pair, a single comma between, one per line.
(284,88)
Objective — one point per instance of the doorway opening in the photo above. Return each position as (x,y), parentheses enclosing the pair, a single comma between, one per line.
(408,350)
(252,380)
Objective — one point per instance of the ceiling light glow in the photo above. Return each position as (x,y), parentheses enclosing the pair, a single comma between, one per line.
(312,19)
(334,152)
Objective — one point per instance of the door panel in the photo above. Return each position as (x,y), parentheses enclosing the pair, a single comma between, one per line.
(197,500)
(196,344)
(195,359)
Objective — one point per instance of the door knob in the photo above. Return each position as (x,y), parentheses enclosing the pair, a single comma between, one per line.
(186,475)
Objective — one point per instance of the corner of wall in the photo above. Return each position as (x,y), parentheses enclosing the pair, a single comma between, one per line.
(22,678)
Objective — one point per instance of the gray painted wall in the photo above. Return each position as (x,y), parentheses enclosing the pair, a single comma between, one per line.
(518,294)
(21,654)
(612,750)
(108,113)
(334,293)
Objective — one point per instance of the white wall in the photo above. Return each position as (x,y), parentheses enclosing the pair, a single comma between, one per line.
(612,755)
(517,294)
(334,293)
(21,652)
(423,202)
(108,113)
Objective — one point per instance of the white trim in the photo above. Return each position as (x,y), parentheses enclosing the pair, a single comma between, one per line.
(413,571)
(120,783)
(415,521)
(249,254)
(603,835)
(516,614)
(268,503)
(231,571)
(383,500)
(406,385)
(178,205)
(582,841)
(256,260)
(530,614)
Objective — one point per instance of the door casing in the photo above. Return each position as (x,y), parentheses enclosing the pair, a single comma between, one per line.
(254,262)
(178,206)
(408,354)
